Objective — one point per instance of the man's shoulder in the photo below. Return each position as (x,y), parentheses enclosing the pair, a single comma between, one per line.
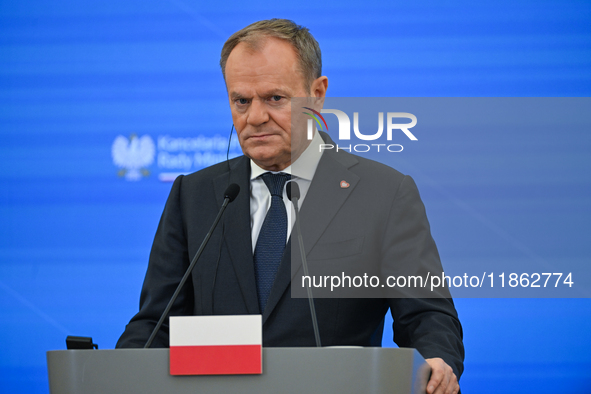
(207,174)
(362,166)
(369,168)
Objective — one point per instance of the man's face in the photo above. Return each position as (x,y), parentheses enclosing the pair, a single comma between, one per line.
(260,85)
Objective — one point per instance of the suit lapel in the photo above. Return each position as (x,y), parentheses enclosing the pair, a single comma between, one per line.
(323,201)
(237,232)
(326,196)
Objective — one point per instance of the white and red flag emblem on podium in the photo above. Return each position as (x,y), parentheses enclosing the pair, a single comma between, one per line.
(216,345)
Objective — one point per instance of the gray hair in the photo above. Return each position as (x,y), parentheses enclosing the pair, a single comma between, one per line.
(304,44)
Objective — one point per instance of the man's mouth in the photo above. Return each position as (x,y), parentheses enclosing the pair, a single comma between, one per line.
(261,137)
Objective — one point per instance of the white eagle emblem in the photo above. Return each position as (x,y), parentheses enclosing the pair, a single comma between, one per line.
(133,155)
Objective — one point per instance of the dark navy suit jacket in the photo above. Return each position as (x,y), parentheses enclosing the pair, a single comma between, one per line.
(379,218)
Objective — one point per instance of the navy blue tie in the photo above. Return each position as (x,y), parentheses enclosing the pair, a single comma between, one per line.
(272,238)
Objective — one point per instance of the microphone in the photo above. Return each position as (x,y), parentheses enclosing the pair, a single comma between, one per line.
(229,196)
(293,193)
(231,193)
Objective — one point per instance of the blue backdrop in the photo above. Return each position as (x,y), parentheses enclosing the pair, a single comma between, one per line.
(75,233)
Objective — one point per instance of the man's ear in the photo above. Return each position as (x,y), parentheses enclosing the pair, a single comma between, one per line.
(319,86)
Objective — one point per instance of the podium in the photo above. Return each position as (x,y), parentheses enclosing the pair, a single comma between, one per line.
(285,370)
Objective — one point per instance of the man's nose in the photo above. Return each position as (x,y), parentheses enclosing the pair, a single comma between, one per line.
(257,114)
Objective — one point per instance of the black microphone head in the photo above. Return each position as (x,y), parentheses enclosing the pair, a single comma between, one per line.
(231,192)
(293,190)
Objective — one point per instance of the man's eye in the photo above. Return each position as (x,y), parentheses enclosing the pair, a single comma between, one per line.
(242,101)
(276,98)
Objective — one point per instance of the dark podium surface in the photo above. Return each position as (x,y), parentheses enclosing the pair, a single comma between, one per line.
(285,370)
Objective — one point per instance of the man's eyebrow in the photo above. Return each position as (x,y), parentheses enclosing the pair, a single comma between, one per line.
(270,93)
(236,96)
(275,92)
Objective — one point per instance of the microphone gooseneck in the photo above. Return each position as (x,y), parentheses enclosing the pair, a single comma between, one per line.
(293,193)
(229,196)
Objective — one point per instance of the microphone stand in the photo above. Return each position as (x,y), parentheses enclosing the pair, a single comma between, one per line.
(293,192)
(229,196)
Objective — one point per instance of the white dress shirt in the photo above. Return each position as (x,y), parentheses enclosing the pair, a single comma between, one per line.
(302,171)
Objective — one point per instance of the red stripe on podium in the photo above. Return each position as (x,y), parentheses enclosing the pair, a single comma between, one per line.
(216,360)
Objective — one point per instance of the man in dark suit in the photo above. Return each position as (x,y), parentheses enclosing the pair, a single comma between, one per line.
(353,211)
